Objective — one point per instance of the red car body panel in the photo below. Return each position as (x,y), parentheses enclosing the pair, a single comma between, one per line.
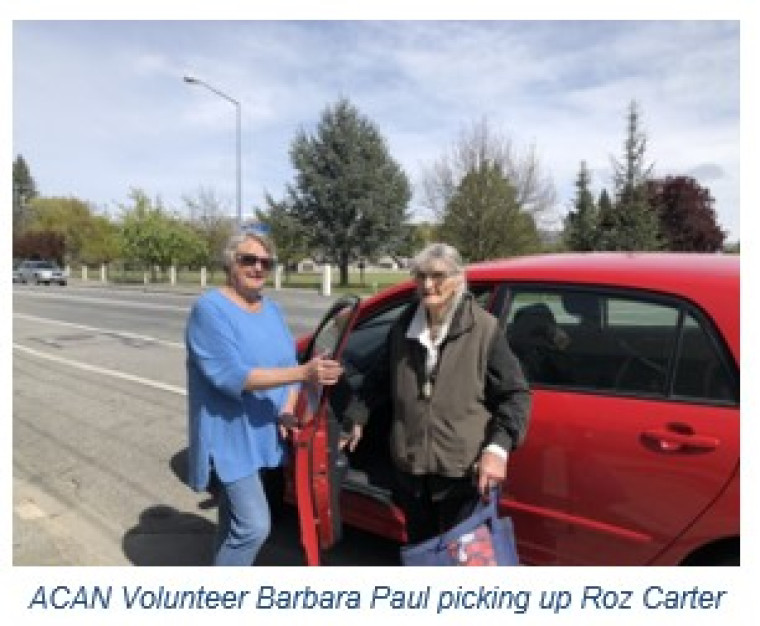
(606,478)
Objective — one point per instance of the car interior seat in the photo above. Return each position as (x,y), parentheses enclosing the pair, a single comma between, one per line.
(592,351)
(537,342)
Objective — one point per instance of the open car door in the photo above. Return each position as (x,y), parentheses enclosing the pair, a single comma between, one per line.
(319,465)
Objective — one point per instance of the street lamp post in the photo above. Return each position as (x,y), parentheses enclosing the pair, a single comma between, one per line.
(196,81)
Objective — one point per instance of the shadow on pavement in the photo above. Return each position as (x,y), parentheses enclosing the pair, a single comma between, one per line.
(169,537)
(166,536)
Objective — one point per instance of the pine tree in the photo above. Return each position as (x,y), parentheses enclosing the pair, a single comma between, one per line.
(24,190)
(634,224)
(349,192)
(606,221)
(582,223)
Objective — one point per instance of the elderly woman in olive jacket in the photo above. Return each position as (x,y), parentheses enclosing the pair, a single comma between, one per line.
(459,399)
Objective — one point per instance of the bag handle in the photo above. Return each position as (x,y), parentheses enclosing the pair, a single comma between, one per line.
(491,501)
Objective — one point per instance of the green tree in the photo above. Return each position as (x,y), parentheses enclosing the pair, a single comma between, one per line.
(349,192)
(70,217)
(152,237)
(102,243)
(478,146)
(415,237)
(24,190)
(290,236)
(210,221)
(633,224)
(484,220)
(582,224)
(606,218)
(733,248)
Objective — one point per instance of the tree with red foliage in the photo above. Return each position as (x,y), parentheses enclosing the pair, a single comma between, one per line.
(688,221)
(40,245)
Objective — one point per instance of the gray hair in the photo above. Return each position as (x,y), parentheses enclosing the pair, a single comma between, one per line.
(437,252)
(230,248)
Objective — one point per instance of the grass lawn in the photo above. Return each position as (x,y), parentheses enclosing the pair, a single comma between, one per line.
(373,280)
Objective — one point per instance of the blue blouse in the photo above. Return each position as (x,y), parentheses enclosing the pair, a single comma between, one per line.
(232,430)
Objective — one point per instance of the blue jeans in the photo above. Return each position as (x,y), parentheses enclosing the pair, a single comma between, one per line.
(244,521)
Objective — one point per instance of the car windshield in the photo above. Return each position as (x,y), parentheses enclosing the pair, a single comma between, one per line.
(45,265)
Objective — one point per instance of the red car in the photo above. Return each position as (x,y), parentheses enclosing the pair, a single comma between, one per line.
(632,453)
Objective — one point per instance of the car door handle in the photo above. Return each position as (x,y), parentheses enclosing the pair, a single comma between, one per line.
(672,441)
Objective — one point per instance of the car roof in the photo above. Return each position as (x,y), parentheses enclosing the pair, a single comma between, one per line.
(667,271)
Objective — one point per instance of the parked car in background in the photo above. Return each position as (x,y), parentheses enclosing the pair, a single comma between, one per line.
(38,272)
(632,453)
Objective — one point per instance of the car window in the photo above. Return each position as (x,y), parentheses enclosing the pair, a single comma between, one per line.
(614,343)
(701,372)
(366,339)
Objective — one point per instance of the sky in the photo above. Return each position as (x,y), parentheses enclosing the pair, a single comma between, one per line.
(100,107)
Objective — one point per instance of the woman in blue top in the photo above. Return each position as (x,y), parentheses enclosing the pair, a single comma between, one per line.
(242,376)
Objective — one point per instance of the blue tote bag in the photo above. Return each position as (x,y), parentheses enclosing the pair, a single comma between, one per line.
(484,538)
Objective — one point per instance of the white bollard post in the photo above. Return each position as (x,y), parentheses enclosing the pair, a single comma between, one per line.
(173,275)
(278,277)
(103,273)
(326,279)
(84,272)
(145,277)
(203,276)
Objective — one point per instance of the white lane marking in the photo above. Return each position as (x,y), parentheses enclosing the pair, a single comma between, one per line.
(303,322)
(102,370)
(94,329)
(105,301)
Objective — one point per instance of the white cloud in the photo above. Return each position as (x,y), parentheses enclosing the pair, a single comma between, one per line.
(100,107)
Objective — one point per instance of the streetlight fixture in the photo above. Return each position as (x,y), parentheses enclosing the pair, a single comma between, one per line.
(191,80)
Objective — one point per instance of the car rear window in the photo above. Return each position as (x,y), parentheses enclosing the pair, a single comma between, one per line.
(618,343)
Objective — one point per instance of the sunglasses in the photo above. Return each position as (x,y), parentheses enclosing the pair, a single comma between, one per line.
(251,260)
(436,277)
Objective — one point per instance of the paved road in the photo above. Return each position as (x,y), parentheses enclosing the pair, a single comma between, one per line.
(99,433)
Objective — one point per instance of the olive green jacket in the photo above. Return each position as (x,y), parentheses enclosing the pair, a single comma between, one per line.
(479,394)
